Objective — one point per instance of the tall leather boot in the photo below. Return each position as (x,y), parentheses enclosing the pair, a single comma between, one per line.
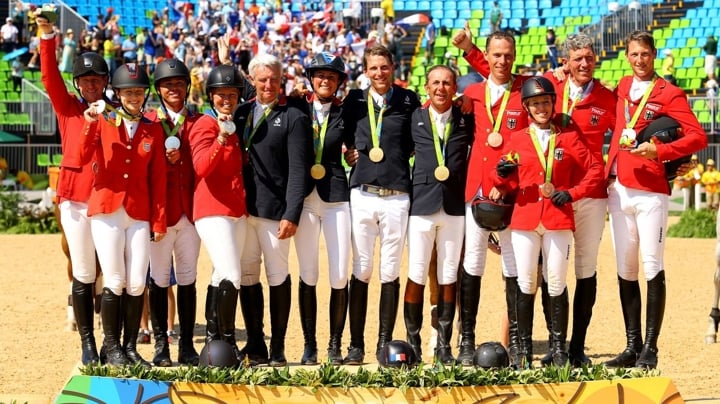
(158,299)
(547,313)
(389,300)
(412,313)
(111,313)
(469,301)
(631,303)
(338,313)
(511,291)
(525,312)
(82,305)
(446,316)
(211,325)
(583,302)
(252,304)
(653,321)
(559,316)
(279,315)
(308,319)
(358,314)
(131,324)
(227,300)
(187,306)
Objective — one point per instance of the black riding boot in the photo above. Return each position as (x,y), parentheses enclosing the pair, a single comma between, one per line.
(131,324)
(560,307)
(389,300)
(631,306)
(158,299)
(469,301)
(338,313)
(211,328)
(280,296)
(252,304)
(446,315)
(653,321)
(547,313)
(308,319)
(583,302)
(525,311)
(412,314)
(111,313)
(83,306)
(187,305)
(358,314)
(227,300)
(511,291)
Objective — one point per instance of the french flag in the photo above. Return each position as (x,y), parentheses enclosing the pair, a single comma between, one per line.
(397,357)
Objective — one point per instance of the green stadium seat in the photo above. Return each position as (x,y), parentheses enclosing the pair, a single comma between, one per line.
(704,117)
(695,84)
(57,159)
(674,23)
(699,62)
(660,43)
(691,42)
(43,160)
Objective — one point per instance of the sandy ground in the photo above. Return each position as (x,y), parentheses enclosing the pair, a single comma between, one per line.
(38,355)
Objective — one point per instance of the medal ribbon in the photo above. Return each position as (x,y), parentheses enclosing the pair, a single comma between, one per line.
(631,123)
(247,134)
(440,150)
(488,105)
(375,129)
(319,135)
(119,113)
(164,118)
(567,112)
(545,162)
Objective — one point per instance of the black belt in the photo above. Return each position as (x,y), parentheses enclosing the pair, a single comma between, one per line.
(380,191)
(612,177)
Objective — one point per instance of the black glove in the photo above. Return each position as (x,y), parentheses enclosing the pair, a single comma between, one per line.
(560,198)
(505,168)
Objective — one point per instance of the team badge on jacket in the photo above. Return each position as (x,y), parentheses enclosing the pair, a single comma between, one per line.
(511,123)
(559,154)
(146,147)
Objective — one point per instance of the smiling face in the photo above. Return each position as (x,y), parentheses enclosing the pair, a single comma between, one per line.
(581,63)
(91,87)
(225,99)
(641,57)
(267,83)
(379,69)
(500,55)
(325,83)
(441,88)
(132,99)
(541,109)
(173,92)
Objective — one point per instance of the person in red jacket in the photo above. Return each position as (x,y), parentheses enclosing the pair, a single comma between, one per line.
(638,192)
(540,173)
(90,77)
(126,206)
(172,81)
(219,206)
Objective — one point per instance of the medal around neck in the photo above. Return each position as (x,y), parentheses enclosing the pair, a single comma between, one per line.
(228,126)
(172,142)
(495,139)
(628,139)
(442,173)
(317,171)
(376,154)
(547,189)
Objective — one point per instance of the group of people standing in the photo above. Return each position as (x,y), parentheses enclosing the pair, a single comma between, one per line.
(247,177)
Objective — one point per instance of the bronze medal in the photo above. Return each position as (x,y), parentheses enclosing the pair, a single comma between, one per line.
(442,173)
(495,139)
(376,154)
(317,171)
(547,189)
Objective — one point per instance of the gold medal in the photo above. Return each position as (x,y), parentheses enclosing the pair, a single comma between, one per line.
(317,171)
(376,154)
(442,173)
(495,139)
(547,189)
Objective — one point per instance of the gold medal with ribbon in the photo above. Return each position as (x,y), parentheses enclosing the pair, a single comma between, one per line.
(442,173)
(628,136)
(250,129)
(317,171)
(376,153)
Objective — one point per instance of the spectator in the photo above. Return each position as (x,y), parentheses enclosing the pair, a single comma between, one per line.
(17,74)
(710,179)
(712,88)
(668,66)
(551,48)
(129,49)
(710,49)
(496,17)
(9,34)
(429,36)
(69,51)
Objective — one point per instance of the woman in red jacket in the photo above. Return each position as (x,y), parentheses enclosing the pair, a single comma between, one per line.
(219,201)
(539,171)
(126,206)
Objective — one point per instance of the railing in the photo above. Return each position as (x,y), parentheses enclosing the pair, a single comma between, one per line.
(24,156)
(612,29)
(36,103)
(708,109)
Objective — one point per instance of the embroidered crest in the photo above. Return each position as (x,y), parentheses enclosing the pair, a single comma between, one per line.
(276,122)
(462,122)
(594,120)
(649,115)
(146,147)
(559,154)
(511,123)
(132,70)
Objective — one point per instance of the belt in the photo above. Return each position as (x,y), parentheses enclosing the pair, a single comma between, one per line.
(612,177)
(380,191)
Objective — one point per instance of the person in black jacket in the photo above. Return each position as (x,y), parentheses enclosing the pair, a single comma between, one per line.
(326,207)
(278,155)
(379,118)
(442,137)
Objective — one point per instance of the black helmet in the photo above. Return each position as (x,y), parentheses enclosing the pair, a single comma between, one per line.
(664,130)
(89,63)
(397,353)
(491,355)
(223,76)
(171,68)
(536,86)
(326,61)
(218,354)
(130,75)
(491,215)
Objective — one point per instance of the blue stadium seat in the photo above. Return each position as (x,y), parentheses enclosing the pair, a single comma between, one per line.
(411,5)
(545,4)
(438,5)
(515,23)
(531,4)
(398,5)
(461,5)
(464,14)
(423,5)
(533,22)
(476,5)
(531,13)
(451,13)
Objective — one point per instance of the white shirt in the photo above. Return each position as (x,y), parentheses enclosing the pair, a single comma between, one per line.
(441,119)
(543,136)
(258,112)
(130,127)
(496,91)
(637,90)
(321,110)
(174,117)
(379,99)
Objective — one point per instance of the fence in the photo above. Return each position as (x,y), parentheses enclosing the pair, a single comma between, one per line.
(612,29)
(24,156)
(36,103)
